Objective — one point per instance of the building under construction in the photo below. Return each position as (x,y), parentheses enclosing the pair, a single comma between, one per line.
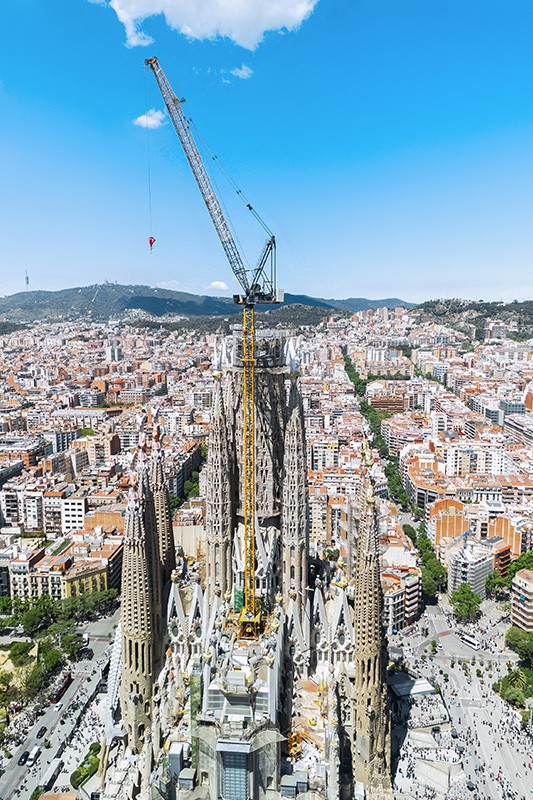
(263,680)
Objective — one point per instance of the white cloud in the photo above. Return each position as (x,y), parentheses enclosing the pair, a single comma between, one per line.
(152,119)
(243,72)
(220,285)
(245,22)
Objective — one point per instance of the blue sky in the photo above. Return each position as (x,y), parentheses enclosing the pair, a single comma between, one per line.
(388,144)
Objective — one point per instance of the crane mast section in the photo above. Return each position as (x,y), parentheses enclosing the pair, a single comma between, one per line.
(182,128)
(250,616)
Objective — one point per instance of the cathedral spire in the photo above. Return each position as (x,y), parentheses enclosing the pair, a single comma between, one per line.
(219,517)
(137,617)
(371,756)
(294,515)
(163,517)
(146,498)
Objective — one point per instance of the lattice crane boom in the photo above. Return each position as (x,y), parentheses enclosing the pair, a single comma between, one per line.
(258,286)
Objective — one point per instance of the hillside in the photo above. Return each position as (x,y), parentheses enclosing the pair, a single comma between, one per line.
(518,316)
(354,304)
(111,300)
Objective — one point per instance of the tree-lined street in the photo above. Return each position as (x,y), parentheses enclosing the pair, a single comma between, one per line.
(60,720)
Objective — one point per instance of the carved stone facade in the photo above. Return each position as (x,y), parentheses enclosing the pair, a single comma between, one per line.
(366,722)
(137,628)
(239,696)
(281,478)
(148,555)
(219,524)
(295,513)
(163,517)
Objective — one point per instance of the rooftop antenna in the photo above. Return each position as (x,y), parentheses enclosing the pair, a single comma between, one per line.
(27,281)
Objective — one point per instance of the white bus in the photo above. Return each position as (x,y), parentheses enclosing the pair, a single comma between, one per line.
(33,756)
(470,641)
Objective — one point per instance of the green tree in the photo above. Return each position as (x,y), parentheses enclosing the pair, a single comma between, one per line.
(32,680)
(191,489)
(496,585)
(429,585)
(6,678)
(465,603)
(434,575)
(71,644)
(396,490)
(70,608)
(437,572)
(52,658)
(61,628)
(6,606)
(517,679)
(410,532)
(525,561)
(521,642)
(513,696)
(32,621)
(174,502)
(18,653)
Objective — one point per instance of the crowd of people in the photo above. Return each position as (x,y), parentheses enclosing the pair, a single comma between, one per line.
(426,710)
(89,729)
(81,722)
(486,760)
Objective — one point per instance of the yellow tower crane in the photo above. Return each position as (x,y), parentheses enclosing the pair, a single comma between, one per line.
(258,286)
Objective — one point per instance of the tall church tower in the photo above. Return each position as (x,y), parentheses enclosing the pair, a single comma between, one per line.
(163,518)
(371,748)
(219,514)
(146,498)
(137,618)
(294,510)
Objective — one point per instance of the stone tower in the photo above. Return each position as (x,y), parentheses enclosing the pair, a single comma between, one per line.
(281,476)
(163,518)
(146,498)
(137,617)
(219,514)
(270,403)
(294,514)
(371,746)
(224,520)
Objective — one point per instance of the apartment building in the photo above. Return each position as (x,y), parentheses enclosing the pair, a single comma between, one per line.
(27,449)
(402,597)
(73,510)
(522,600)
(469,565)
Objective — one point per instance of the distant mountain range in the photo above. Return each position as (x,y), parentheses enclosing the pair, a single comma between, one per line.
(112,300)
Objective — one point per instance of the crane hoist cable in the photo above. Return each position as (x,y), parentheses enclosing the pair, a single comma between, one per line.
(238,191)
(258,285)
(151,239)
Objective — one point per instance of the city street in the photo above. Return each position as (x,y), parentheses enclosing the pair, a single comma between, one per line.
(498,756)
(60,720)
